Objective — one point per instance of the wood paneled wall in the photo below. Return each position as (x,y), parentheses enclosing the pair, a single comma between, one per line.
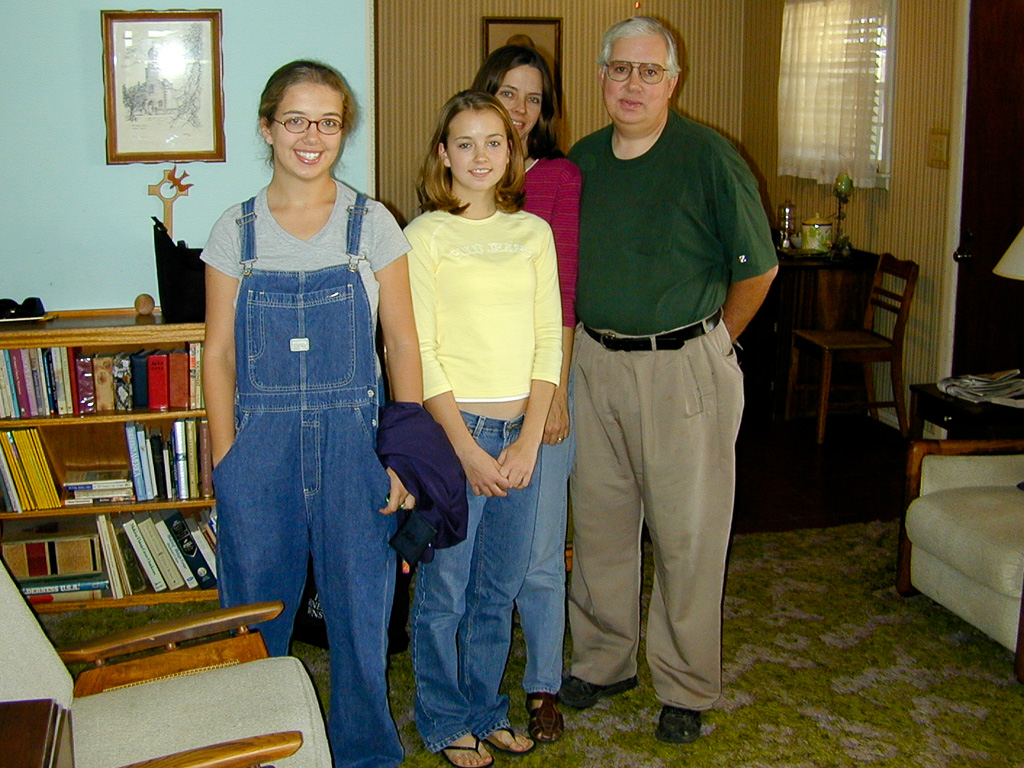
(730,50)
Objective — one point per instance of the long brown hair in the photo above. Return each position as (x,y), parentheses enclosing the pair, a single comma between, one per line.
(435,179)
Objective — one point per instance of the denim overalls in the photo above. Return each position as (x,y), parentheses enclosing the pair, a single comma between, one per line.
(303,477)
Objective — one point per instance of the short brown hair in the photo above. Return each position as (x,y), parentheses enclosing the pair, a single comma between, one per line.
(435,179)
(317,73)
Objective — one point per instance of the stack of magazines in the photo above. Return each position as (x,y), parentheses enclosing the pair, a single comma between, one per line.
(1002,388)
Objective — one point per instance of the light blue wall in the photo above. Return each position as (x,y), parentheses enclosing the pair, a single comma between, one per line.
(77,232)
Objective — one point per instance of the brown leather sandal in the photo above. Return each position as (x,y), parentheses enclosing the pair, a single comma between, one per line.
(546,723)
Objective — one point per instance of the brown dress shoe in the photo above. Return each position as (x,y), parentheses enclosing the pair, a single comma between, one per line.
(546,723)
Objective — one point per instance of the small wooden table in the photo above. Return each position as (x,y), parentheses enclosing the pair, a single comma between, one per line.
(962,419)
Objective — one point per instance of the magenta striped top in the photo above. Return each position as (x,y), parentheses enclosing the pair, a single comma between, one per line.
(553,193)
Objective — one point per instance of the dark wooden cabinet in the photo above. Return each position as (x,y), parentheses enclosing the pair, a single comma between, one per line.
(816,292)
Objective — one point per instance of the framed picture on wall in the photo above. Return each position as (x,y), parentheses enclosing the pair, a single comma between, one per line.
(544,34)
(163,95)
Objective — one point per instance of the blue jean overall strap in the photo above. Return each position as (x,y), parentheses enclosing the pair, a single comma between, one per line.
(302,478)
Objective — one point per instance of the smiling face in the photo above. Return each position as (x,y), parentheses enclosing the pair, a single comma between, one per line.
(310,154)
(477,152)
(635,107)
(521,92)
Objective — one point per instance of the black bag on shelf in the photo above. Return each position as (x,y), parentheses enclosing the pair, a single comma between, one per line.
(180,276)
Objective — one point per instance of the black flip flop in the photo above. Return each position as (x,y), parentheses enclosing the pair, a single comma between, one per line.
(474,748)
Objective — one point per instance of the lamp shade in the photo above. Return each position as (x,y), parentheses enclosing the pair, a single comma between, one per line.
(1012,263)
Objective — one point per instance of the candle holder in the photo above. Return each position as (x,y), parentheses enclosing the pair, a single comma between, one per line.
(841,189)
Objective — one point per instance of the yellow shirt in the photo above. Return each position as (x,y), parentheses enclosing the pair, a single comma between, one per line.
(485,296)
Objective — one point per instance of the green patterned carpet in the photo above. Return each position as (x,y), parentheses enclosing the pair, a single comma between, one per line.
(824,665)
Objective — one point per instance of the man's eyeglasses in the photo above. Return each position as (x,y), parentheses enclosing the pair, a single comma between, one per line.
(328,126)
(619,71)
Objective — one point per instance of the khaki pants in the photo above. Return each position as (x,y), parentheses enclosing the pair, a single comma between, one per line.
(655,437)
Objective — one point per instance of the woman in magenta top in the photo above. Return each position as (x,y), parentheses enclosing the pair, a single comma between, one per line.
(519,77)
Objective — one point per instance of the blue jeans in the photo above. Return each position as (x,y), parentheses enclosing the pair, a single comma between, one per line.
(303,478)
(541,600)
(462,609)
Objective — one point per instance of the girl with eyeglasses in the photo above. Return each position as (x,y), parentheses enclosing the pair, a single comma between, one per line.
(295,280)
(519,77)
(485,295)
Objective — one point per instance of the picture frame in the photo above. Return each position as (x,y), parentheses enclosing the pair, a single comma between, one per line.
(163,86)
(544,32)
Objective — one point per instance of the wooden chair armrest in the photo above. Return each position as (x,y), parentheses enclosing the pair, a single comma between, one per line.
(240,753)
(170,632)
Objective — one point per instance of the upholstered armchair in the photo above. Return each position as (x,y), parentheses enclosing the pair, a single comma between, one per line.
(220,704)
(962,536)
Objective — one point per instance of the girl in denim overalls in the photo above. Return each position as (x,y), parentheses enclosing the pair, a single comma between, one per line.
(292,390)
(485,292)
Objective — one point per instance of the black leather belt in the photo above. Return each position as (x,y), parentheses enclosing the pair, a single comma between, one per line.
(670,340)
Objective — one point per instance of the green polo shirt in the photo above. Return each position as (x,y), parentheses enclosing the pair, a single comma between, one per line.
(663,235)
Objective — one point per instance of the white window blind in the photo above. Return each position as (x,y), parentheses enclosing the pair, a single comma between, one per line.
(835,90)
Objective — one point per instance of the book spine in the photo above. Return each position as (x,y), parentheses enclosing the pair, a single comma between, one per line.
(192,455)
(140,379)
(180,461)
(71,372)
(135,459)
(64,597)
(20,382)
(61,400)
(86,387)
(70,584)
(146,459)
(171,542)
(50,378)
(195,374)
(156,453)
(177,378)
(122,374)
(37,390)
(29,468)
(205,460)
(142,552)
(134,579)
(147,527)
(8,406)
(159,397)
(47,484)
(10,450)
(103,381)
(168,472)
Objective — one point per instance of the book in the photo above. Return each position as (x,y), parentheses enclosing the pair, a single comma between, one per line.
(103,494)
(58,362)
(202,537)
(156,452)
(205,460)
(64,597)
(71,378)
(140,379)
(37,468)
(168,472)
(192,457)
(135,459)
(195,374)
(39,585)
(147,527)
(84,382)
(109,563)
(122,373)
(38,389)
(8,405)
(103,382)
(10,490)
(159,396)
(92,479)
(142,553)
(179,462)
(146,459)
(21,383)
(132,577)
(177,379)
(189,548)
(49,379)
(171,542)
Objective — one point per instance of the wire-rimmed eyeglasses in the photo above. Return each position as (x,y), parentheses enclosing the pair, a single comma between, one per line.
(619,71)
(328,126)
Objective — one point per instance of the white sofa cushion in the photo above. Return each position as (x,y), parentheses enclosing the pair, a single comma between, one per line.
(978,531)
(166,716)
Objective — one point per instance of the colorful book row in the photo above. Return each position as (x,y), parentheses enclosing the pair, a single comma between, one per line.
(122,555)
(62,381)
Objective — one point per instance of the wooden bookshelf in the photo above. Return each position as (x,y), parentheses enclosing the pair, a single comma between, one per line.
(97,440)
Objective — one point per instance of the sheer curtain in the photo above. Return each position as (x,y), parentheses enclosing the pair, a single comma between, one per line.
(834,90)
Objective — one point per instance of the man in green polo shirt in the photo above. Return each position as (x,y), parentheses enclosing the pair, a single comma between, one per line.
(675,258)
